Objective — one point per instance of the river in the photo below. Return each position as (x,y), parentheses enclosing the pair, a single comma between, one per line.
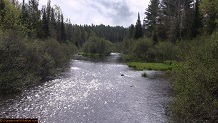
(93,91)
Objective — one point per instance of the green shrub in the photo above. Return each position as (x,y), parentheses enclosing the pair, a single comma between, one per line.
(14,64)
(165,51)
(150,66)
(97,45)
(141,49)
(196,83)
(25,62)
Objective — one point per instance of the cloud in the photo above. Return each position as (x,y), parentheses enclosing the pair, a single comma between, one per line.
(108,12)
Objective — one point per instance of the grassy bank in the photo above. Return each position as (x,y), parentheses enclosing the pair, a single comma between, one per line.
(152,66)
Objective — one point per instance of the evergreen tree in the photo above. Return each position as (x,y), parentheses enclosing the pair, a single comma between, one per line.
(131,31)
(34,17)
(151,20)
(138,28)
(52,27)
(69,31)
(178,17)
(45,25)
(63,31)
(25,17)
(9,16)
(197,20)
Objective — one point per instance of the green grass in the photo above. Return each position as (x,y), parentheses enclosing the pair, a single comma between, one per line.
(151,66)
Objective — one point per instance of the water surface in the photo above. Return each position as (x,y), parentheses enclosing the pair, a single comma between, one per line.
(93,91)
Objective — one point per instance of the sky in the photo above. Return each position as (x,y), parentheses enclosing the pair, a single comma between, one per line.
(107,12)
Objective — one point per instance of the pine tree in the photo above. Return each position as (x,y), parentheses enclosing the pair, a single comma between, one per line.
(178,16)
(138,28)
(34,17)
(45,24)
(197,20)
(151,20)
(52,26)
(131,31)
(63,31)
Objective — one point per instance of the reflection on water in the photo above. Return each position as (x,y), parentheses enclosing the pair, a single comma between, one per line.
(93,92)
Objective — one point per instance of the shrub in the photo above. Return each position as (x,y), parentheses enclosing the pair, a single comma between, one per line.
(25,62)
(166,51)
(97,45)
(141,49)
(14,64)
(195,83)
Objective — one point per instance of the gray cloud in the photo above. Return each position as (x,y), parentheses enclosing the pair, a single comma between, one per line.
(108,12)
(123,14)
(120,11)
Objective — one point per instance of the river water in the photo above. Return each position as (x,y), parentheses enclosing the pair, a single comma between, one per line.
(93,91)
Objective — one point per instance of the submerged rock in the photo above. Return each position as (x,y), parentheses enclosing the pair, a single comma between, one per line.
(122,74)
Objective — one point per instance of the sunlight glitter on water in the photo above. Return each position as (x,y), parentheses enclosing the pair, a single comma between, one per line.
(93,92)
(75,68)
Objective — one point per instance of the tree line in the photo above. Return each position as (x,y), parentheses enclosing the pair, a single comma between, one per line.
(49,23)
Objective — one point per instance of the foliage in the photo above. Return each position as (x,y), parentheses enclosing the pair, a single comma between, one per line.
(136,50)
(97,45)
(138,29)
(143,50)
(209,13)
(195,83)
(151,21)
(172,20)
(151,66)
(9,16)
(18,66)
(13,69)
(166,51)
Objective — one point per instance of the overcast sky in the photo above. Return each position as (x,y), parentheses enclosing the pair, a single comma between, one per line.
(108,12)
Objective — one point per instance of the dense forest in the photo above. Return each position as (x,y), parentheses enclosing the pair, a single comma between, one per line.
(181,31)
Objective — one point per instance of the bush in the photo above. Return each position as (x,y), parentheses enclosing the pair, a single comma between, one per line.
(166,51)
(141,49)
(25,62)
(97,45)
(14,65)
(196,83)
